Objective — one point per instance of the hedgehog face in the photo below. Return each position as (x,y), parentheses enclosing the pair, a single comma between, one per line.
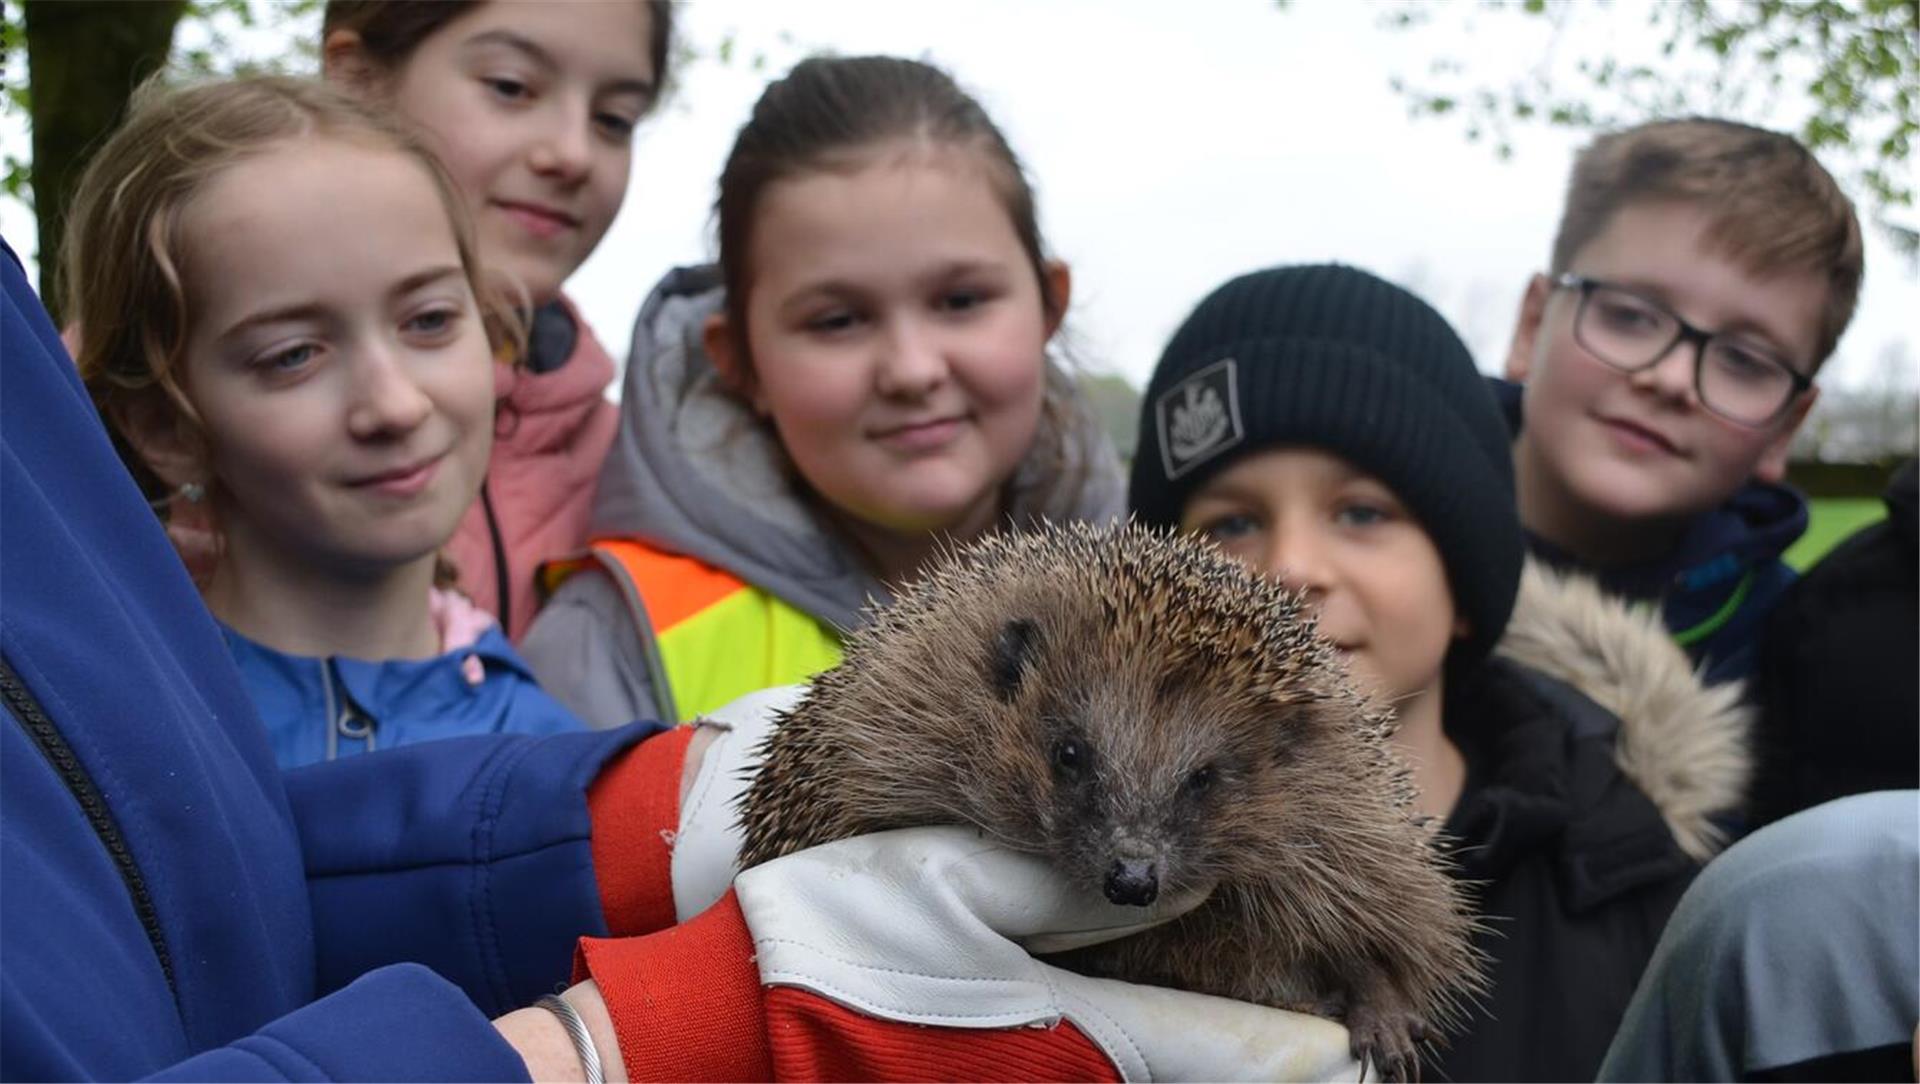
(1137,818)
(1137,777)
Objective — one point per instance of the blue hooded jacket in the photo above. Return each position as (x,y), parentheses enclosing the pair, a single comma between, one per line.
(318,709)
(171,905)
(1715,588)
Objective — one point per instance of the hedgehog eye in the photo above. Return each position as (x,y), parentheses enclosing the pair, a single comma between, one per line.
(1070,757)
(1013,647)
(1201,780)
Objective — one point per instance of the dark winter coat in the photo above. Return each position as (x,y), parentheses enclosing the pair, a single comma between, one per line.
(1595,760)
(1839,702)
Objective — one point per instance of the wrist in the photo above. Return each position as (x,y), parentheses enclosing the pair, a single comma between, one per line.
(546,1045)
(543,1044)
(586,1000)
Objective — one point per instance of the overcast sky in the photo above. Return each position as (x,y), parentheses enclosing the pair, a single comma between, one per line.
(1173,146)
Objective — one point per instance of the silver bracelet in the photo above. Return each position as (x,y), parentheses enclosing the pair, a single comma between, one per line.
(577,1031)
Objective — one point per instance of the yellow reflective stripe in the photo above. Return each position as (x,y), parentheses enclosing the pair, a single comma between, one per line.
(747,641)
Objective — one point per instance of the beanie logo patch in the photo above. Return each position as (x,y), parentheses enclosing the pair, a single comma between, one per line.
(1199,418)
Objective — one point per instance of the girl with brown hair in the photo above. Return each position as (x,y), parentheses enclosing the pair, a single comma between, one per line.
(282,312)
(867,376)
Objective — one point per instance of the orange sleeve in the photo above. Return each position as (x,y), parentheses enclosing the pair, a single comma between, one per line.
(634,809)
(685,1002)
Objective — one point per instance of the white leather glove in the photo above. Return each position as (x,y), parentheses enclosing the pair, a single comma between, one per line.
(706,848)
(933,926)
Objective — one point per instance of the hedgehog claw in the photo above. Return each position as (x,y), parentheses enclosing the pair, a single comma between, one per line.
(1386,1037)
(1400,1068)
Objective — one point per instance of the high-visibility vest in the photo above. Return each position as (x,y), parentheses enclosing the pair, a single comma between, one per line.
(710,637)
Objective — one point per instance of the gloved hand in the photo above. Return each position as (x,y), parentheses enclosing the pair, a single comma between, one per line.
(665,844)
(707,848)
(899,956)
(903,955)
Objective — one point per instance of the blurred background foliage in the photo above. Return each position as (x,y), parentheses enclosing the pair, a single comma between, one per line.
(1843,75)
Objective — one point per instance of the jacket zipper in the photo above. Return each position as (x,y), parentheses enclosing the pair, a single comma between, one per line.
(344,719)
(26,710)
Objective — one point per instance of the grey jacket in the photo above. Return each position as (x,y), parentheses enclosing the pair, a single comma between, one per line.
(1794,956)
(694,473)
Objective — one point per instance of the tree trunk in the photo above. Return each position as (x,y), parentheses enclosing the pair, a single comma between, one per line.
(84,57)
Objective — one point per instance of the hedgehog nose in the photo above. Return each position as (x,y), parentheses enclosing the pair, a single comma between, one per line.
(1133,881)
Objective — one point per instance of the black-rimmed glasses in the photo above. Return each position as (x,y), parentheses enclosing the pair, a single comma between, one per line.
(1738,380)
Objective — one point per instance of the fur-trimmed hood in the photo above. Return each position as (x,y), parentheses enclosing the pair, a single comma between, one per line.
(1684,743)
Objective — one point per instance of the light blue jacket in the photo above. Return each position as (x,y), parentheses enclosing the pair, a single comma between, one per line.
(319,709)
(1794,956)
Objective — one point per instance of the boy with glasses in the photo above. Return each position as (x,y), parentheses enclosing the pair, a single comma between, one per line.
(1702,272)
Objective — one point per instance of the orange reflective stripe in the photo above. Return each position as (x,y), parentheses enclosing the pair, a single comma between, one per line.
(674,587)
(706,637)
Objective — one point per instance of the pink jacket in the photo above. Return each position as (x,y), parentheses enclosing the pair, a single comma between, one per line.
(552,434)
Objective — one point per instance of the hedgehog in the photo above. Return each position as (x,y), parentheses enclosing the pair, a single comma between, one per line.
(1153,719)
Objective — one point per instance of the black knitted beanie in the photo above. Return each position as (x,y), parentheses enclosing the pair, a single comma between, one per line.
(1335,358)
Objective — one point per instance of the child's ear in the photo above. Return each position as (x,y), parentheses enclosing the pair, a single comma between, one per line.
(152,426)
(345,63)
(1772,465)
(717,336)
(1058,280)
(1526,328)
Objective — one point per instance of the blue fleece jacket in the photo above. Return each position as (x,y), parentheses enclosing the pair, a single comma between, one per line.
(171,905)
(1717,586)
(318,709)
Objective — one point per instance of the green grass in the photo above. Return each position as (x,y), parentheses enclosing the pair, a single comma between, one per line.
(1831,520)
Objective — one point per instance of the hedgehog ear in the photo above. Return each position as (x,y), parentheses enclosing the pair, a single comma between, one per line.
(1013,646)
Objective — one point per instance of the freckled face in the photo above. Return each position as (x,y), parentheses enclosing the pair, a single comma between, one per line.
(532,106)
(337,361)
(897,337)
(1309,519)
